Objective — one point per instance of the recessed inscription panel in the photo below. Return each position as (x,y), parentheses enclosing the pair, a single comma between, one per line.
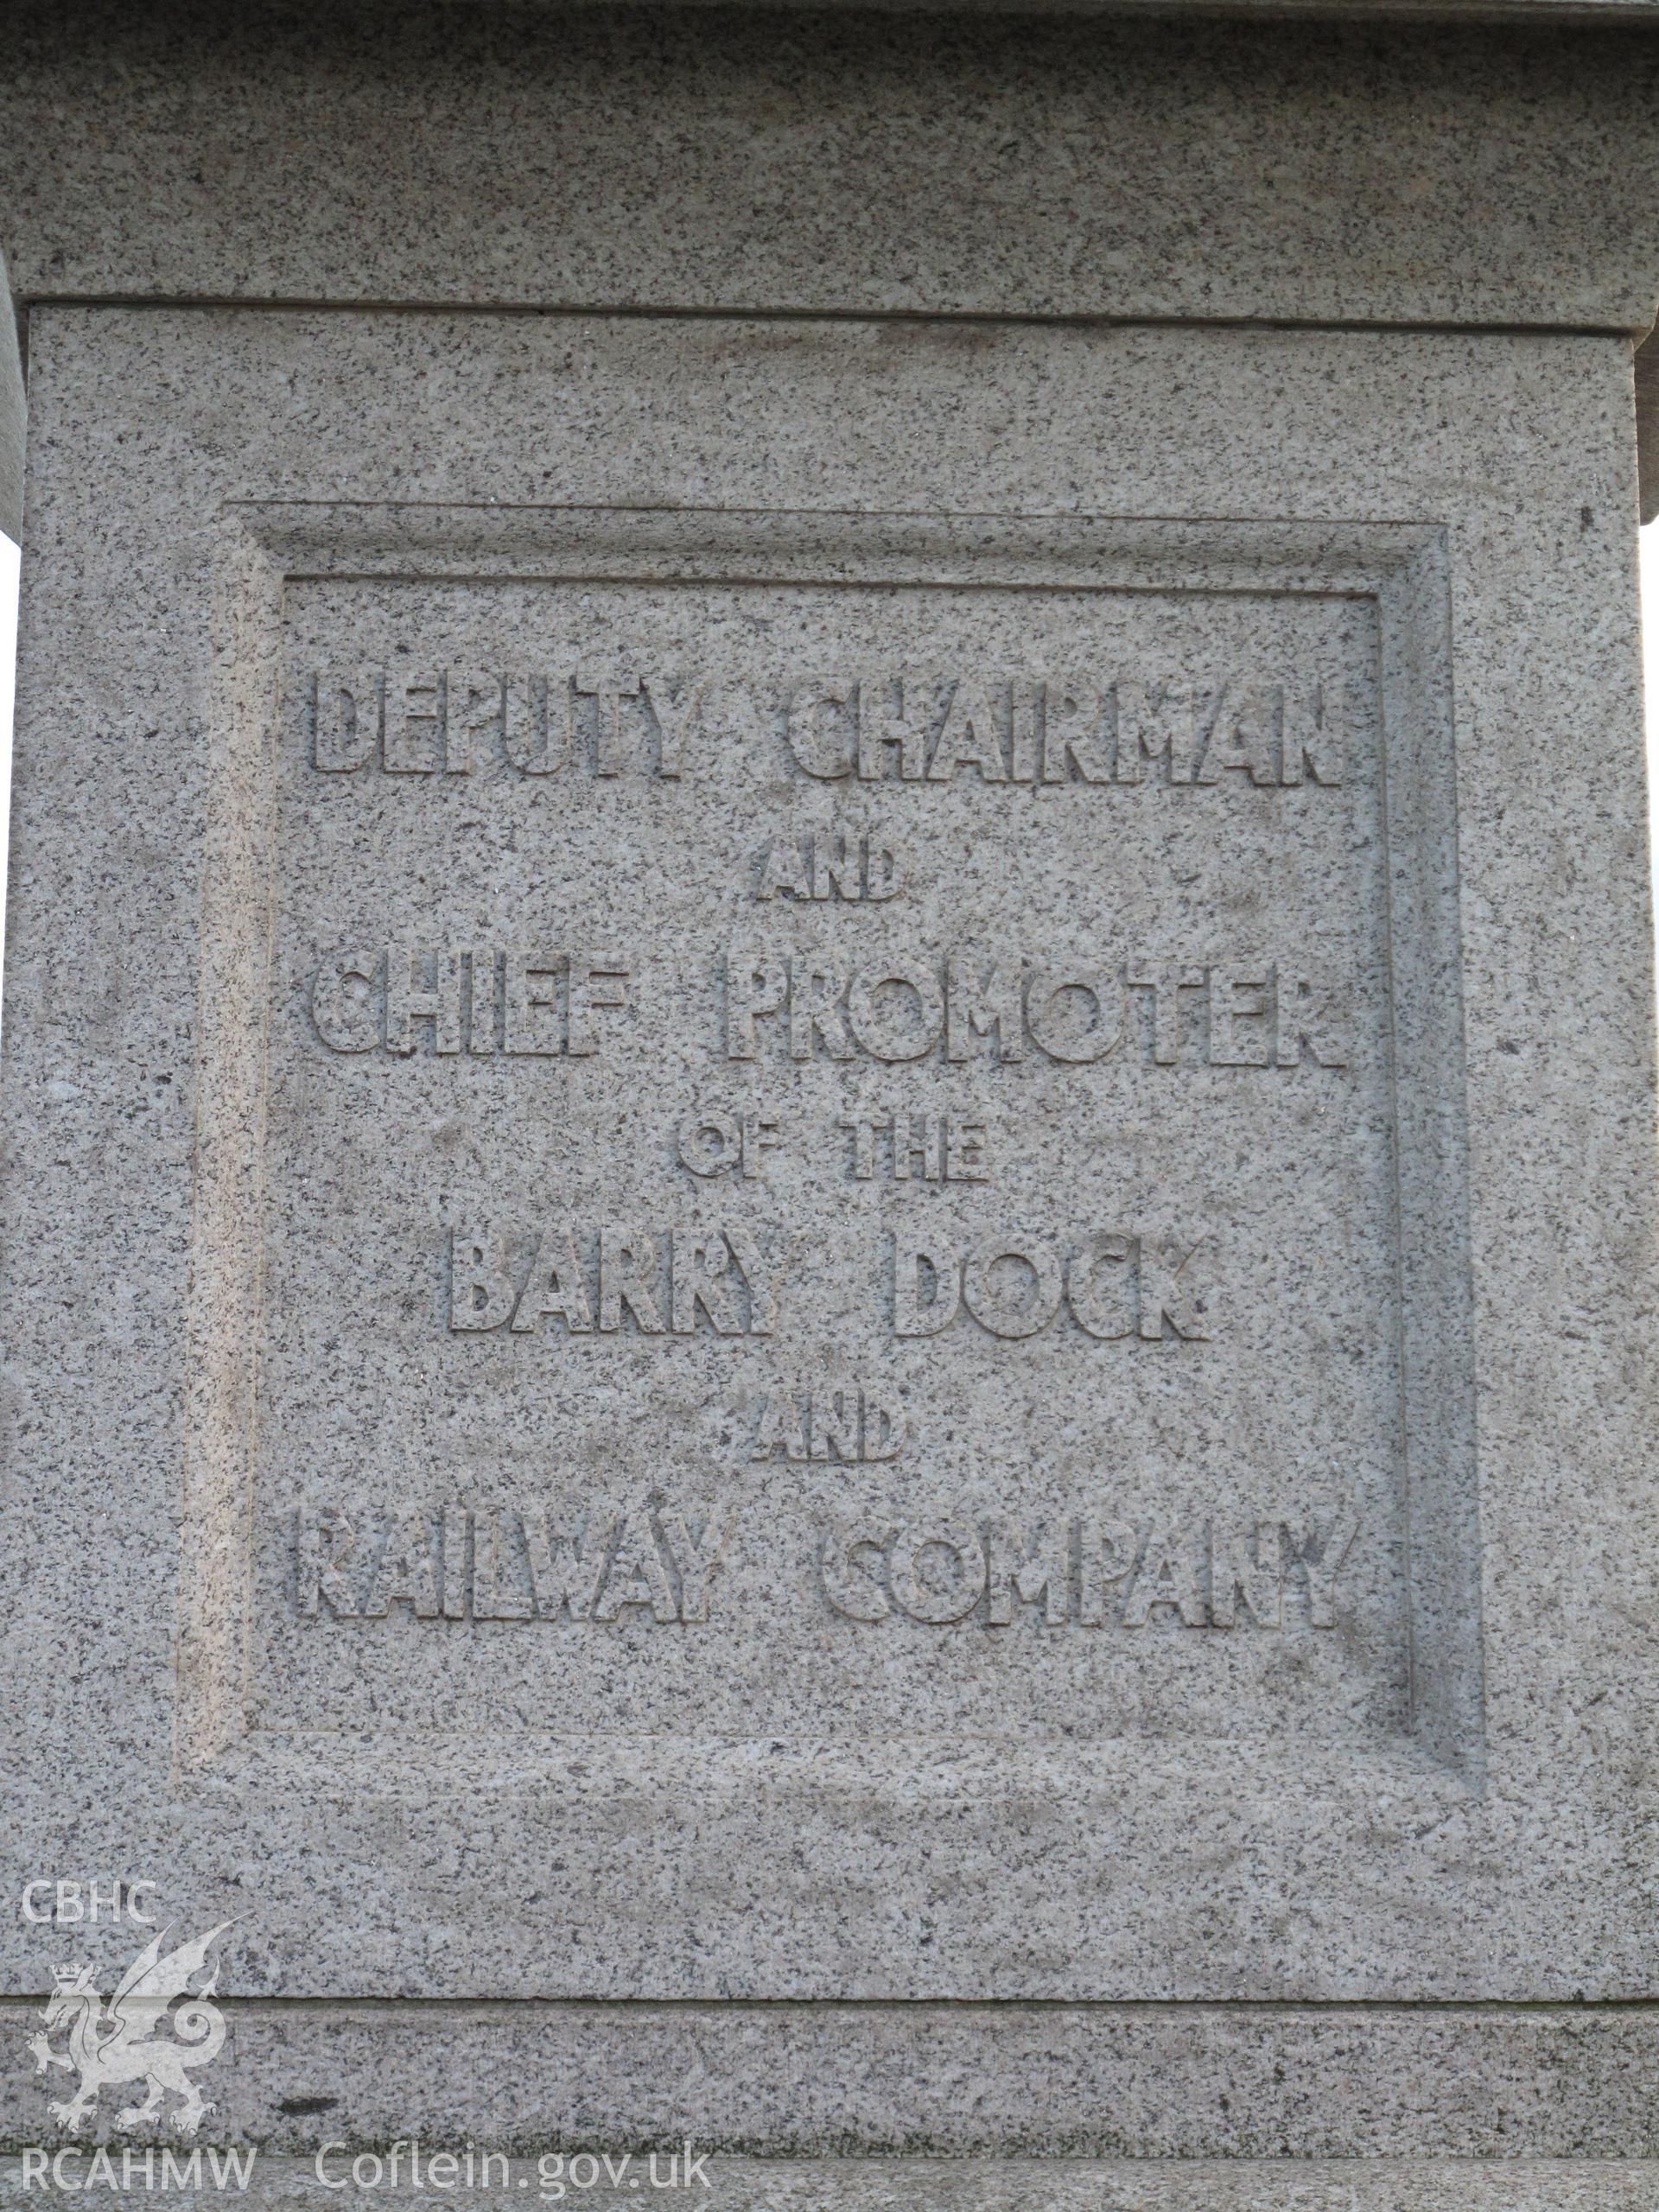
(829,1165)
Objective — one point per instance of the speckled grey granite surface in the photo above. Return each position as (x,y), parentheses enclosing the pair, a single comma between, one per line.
(11,421)
(727,2184)
(239,1176)
(752,159)
(828,1194)
(1146,2082)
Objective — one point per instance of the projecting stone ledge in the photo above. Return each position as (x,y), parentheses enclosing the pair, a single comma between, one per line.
(864,2184)
(1466,11)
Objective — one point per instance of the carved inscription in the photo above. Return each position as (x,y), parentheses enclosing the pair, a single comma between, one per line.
(657,1281)
(449,998)
(1040,1096)
(585,713)
(1088,1572)
(403,999)
(928,1148)
(717,1143)
(1113,1285)
(448,721)
(834,866)
(1089,729)
(654,1563)
(646,1562)
(1253,1013)
(854,1422)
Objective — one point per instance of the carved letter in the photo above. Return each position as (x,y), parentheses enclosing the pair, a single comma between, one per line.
(345,1021)
(596,979)
(1241,736)
(887,1425)
(555,1286)
(885,872)
(675,705)
(1011,1307)
(837,867)
(835,1421)
(411,998)
(710,1143)
(1164,1296)
(780,1424)
(538,735)
(848,1586)
(783,870)
(1099,1287)
(874,1027)
(1315,732)
(1165,979)
(1156,721)
(611,749)
(453,1523)
(629,1271)
(969,739)
(754,986)
(1238,1000)
(566,1570)
(816,985)
(478,708)
(492,1600)
(700,1274)
(977,1003)
(1311,1016)
(326,1549)
(1168,1575)
(1065,746)
(636,1575)
(922,1583)
(481,1293)
(1250,1566)
(1051,1010)
(406,1569)
(763,1306)
(527,995)
(912,1315)
(481,1001)
(345,713)
(893,716)
(1027,1565)
(695,1557)
(1321,1557)
(804,715)
(1106,1552)
(417,709)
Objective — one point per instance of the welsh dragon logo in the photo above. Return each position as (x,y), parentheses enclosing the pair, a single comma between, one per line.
(117,2042)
